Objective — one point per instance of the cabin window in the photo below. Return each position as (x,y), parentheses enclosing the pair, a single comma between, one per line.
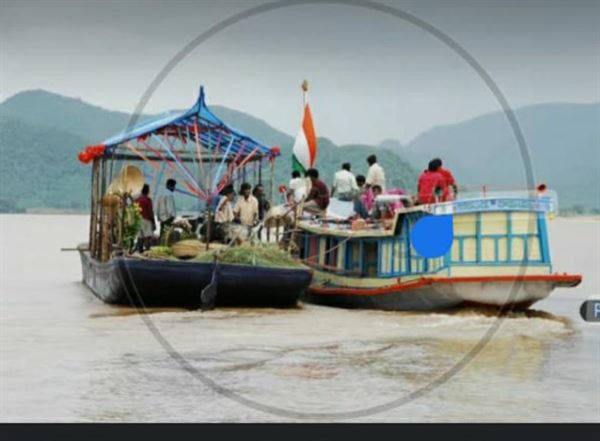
(518,251)
(465,224)
(502,244)
(494,223)
(488,249)
(524,223)
(534,250)
(370,259)
(353,249)
(312,249)
(331,252)
(469,245)
(399,256)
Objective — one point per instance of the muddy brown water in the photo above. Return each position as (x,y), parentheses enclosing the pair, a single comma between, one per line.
(65,356)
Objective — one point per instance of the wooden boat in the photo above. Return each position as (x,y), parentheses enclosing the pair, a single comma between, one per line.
(183,145)
(150,282)
(498,256)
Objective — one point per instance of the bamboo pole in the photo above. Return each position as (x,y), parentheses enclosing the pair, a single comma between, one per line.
(101,241)
(271,178)
(93,208)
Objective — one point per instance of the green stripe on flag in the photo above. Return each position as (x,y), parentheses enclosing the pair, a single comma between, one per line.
(296,166)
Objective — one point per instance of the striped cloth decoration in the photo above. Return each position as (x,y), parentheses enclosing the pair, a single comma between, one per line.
(304,154)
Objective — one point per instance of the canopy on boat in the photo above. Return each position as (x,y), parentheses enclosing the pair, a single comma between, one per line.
(199,122)
(195,145)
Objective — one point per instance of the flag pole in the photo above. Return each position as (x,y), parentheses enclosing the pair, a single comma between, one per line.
(304,87)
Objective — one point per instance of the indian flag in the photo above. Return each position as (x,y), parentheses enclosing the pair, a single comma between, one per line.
(304,153)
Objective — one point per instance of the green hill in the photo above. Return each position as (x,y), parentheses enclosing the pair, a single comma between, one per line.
(41,133)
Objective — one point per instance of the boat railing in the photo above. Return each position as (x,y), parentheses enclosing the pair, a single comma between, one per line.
(545,201)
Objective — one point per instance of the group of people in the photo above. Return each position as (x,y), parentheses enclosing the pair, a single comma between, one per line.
(316,195)
(435,184)
(165,212)
(248,210)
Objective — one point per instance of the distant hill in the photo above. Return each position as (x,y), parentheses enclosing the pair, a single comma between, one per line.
(37,168)
(563,139)
(41,133)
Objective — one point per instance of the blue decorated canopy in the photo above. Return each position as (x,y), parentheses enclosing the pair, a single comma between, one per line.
(196,146)
(213,133)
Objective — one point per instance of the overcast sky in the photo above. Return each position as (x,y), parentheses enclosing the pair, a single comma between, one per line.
(372,76)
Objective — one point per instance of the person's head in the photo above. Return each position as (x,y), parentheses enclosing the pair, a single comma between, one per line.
(434,165)
(377,190)
(245,189)
(360,180)
(372,159)
(258,190)
(438,160)
(171,183)
(228,192)
(313,174)
(295,174)
(146,190)
(346,166)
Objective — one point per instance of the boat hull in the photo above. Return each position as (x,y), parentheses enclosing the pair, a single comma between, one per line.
(131,281)
(518,292)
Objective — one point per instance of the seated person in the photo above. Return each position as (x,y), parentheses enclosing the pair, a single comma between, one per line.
(297,188)
(363,199)
(344,183)
(317,200)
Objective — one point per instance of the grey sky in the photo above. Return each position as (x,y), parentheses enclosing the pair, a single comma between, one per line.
(372,76)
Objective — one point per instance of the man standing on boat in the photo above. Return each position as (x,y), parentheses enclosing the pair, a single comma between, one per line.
(246,208)
(263,203)
(345,183)
(165,207)
(375,176)
(148,223)
(431,184)
(449,180)
(317,200)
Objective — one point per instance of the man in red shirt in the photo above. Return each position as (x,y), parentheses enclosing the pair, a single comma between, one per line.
(317,200)
(432,184)
(450,182)
(148,222)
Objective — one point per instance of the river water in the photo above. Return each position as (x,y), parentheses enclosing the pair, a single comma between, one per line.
(65,356)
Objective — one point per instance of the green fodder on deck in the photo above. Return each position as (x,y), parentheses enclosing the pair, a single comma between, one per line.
(159,252)
(259,255)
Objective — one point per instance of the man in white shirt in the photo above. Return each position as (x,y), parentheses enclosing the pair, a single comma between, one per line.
(297,188)
(165,207)
(224,212)
(246,208)
(375,176)
(344,182)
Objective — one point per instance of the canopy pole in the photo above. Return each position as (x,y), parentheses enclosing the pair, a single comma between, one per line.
(208,229)
(271,177)
(103,251)
(94,207)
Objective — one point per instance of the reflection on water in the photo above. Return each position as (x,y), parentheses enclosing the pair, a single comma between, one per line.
(68,357)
